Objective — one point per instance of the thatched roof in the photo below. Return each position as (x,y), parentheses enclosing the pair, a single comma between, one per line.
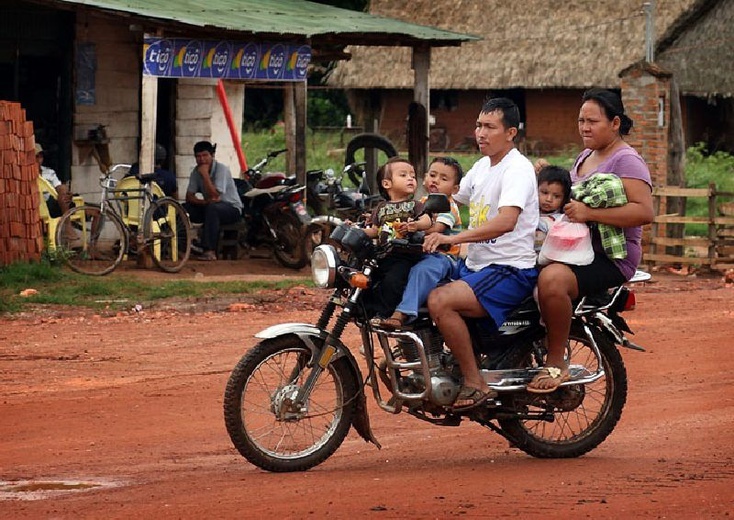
(698,48)
(531,44)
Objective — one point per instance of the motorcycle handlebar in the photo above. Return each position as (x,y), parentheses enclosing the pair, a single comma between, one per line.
(276,153)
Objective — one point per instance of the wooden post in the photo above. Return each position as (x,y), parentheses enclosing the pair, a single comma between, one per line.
(149,109)
(146,161)
(676,173)
(422,96)
(300,103)
(712,224)
(294,115)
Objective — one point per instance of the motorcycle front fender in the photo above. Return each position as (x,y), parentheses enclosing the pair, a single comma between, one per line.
(307,333)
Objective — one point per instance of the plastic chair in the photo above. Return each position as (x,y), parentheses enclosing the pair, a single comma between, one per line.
(51,223)
(130,191)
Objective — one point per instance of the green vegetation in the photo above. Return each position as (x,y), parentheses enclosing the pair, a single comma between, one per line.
(701,170)
(59,286)
(325,150)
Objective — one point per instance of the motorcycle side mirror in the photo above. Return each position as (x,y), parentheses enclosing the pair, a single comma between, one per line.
(364,186)
(437,203)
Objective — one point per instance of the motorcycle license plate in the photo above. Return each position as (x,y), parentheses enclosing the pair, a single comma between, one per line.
(300,210)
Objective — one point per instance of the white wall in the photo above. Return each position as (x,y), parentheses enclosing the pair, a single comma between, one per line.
(198,111)
(200,117)
(117,85)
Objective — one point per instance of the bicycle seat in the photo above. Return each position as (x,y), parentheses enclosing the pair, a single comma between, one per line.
(146,177)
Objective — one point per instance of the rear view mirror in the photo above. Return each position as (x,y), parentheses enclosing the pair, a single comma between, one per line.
(364,186)
(437,203)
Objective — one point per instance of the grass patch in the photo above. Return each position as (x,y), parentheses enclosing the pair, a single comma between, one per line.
(57,286)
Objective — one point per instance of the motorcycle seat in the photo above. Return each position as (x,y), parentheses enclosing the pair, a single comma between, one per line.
(254,192)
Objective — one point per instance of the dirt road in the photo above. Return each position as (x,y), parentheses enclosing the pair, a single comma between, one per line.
(121,417)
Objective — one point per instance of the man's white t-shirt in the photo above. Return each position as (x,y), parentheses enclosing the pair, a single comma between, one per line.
(50,176)
(486,188)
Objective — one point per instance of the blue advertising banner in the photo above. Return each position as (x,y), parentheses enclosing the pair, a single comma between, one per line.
(184,58)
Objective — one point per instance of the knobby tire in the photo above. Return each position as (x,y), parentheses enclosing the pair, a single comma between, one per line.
(260,383)
(593,409)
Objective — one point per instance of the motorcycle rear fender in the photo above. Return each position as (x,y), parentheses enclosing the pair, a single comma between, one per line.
(306,332)
(327,219)
(299,210)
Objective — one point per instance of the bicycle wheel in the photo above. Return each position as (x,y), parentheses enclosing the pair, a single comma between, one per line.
(91,241)
(167,233)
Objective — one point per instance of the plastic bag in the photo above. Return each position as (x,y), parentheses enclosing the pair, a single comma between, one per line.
(568,243)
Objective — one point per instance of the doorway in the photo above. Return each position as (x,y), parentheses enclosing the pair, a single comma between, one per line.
(36,58)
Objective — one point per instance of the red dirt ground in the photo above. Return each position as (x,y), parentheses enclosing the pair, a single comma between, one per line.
(131,404)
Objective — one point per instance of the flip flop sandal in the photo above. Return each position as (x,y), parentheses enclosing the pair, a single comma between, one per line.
(552,374)
(386,323)
(475,396)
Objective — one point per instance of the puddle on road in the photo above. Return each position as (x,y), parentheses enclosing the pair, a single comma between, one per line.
(42,489)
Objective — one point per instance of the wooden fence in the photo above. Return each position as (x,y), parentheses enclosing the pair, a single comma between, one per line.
(715,250)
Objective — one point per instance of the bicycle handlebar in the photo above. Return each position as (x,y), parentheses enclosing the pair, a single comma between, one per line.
(113,168)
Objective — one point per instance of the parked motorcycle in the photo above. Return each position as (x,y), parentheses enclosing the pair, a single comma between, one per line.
(290,401)
(332,204)
(274,213)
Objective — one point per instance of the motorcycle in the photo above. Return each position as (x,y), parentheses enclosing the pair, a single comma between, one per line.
(274,213)
(290,400)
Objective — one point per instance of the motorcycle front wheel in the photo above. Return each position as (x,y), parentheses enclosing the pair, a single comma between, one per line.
(289,246)
(582,415)
(264,424)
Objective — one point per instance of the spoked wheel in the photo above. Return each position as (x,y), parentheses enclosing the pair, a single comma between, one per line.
(266,427)
(581,416)
(288,248)
(167,232)
(91,241)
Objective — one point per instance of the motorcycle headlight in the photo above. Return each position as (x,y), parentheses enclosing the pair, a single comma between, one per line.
(323,265)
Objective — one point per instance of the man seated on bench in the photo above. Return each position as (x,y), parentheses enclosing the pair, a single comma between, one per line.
(217,202)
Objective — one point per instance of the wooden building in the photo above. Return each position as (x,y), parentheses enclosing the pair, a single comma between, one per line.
(543,54)
(76,67)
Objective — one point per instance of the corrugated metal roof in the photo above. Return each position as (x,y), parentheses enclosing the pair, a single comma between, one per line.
(289,18)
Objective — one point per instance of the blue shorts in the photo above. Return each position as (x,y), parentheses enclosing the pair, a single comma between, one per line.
(500,289)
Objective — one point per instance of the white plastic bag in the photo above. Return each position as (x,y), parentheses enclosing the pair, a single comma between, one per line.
(568,243)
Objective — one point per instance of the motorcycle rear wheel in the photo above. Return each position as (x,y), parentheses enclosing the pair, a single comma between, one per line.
(583,415)
(288,248)
(261,425)
(316,234)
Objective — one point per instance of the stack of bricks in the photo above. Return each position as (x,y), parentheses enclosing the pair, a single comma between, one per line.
(21,233)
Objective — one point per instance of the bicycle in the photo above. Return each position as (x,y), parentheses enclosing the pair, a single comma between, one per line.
(100,236)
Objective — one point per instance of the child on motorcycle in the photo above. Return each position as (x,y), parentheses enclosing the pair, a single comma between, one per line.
(394,217)
(443,176)
(554,191)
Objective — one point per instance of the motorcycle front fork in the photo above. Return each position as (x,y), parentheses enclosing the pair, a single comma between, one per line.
(327,353)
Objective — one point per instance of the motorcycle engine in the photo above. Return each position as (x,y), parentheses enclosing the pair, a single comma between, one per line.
(443,386)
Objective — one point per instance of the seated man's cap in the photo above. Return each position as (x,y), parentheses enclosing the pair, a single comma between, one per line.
(39,149)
